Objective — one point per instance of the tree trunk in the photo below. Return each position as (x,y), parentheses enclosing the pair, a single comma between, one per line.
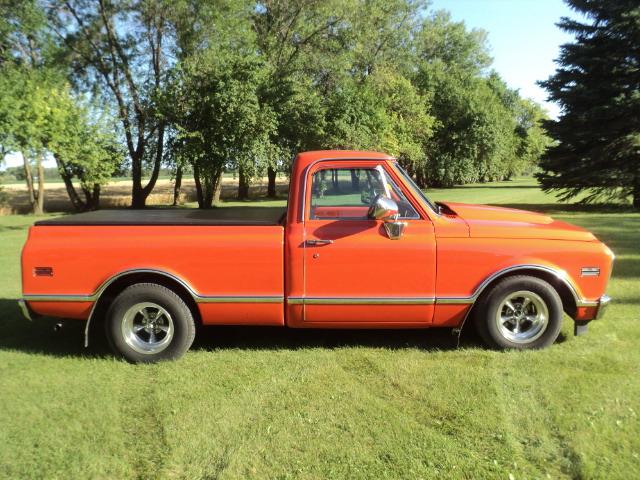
(217,187)
(40,203)
(271,185)
(146,191)
(243,184)
(199,192)
(138,198)
(95,203)
(177,186)
(207,188)
(67,178)
(92,196)
(76,201)
(29,179)
(208,193)
(636,192)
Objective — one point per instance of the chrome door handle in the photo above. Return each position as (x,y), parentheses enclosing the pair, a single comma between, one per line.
(319,242)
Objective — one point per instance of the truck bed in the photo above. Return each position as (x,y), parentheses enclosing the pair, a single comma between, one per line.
(228,216)
(232,269)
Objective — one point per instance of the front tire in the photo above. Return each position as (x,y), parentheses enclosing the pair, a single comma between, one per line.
(521,313)
(148,323)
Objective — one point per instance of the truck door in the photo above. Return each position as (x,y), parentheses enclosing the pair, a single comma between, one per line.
(355,275)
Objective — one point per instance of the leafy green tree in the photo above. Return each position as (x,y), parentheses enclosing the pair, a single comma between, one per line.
(385,112)
(40,118)
(484,130)
(24,48)
(408,125)
(24,119)
(24,39)
(381,35)
(299,43)
(597,84)
(219,119)
(449,44)
(85,148)
(532,138)
(209,85)
(119,50)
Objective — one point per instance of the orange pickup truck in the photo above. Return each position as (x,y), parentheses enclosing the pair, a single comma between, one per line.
(359,246)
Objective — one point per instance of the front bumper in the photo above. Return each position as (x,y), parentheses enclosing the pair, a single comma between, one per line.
(580,326)
(603,303)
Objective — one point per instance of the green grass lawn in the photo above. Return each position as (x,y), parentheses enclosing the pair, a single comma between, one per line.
(262,403)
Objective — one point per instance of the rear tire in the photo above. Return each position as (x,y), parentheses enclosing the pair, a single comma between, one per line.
(519,312)
(148,323)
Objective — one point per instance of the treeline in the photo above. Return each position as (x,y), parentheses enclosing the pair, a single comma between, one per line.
(210,85)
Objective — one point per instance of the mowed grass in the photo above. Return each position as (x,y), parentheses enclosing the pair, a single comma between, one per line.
(262,403)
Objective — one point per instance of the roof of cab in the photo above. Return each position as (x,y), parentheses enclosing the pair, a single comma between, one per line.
(305,158)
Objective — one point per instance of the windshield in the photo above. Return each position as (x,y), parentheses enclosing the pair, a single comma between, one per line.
(415,187)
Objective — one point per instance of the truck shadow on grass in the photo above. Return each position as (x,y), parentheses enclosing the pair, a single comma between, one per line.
(40,337)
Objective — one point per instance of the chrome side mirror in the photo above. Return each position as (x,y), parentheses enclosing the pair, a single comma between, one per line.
(383,208)
(386,209)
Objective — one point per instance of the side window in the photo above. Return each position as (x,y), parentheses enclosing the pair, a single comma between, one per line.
(347,193)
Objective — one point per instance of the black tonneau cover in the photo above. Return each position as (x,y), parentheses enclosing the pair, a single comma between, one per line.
(178,216)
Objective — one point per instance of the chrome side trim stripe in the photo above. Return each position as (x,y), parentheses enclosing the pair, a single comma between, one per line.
(60,298)
(461,300)
(197,298)
(361,300)
(239,299)
(454,300)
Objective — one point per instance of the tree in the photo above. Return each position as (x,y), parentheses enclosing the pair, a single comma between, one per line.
(119,48)
(295,41)
(24,118)
(219,119)
(483,131)
(24,47)
(85,148)
(532,139)
(384,112)
(40,118)
(597,84)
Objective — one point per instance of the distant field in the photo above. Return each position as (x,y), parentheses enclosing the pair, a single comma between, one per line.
(263,403)
(117,193)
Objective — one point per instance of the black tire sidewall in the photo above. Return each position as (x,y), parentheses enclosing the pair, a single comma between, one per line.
(184,327)
(488,329)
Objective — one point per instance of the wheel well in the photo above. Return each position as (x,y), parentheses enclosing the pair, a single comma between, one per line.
(118,285)
(566,295)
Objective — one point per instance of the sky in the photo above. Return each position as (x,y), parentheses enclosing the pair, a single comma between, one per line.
(523,37)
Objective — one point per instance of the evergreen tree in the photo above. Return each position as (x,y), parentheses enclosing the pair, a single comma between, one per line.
(597,84)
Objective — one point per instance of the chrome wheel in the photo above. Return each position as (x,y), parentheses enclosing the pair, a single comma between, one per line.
(522,317)
(147,328)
